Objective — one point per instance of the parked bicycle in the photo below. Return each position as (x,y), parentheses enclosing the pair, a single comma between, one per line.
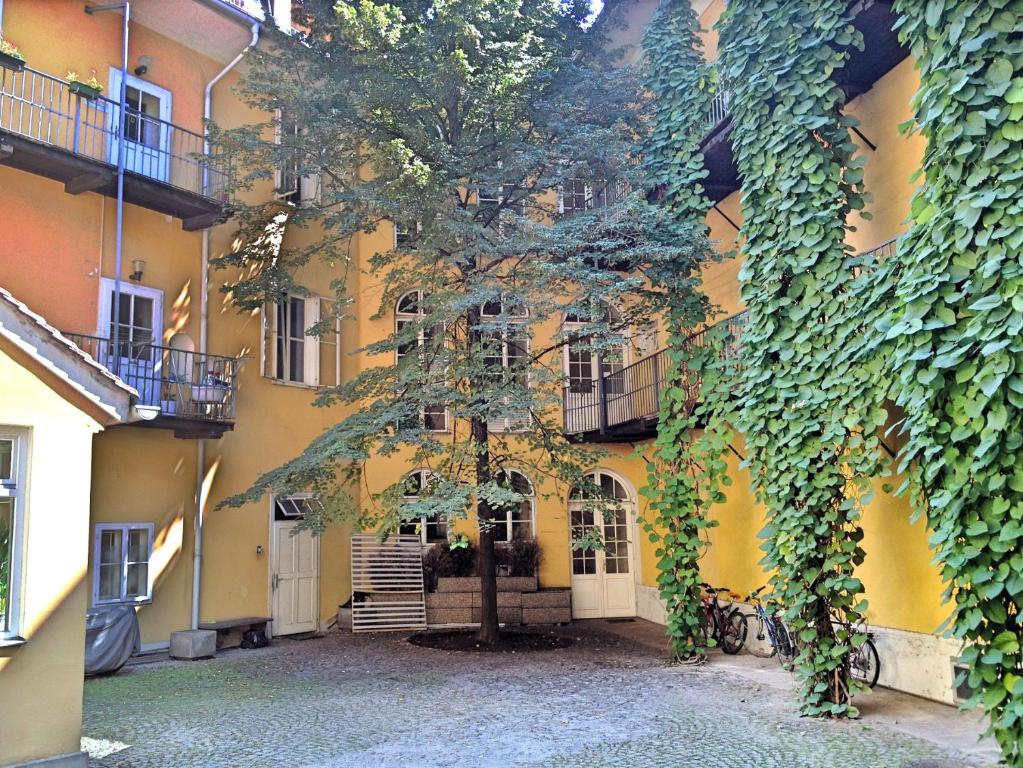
(723,622)
(864,662)
(770,626)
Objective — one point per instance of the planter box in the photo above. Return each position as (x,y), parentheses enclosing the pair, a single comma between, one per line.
(436,616)
(209,394)
(83,90)
(12,63)
(472,584)
(449,600)
(504,599)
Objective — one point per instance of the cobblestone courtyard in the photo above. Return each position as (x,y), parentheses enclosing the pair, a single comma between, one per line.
(375,700)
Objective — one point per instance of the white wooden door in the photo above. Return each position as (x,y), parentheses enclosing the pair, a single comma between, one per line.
(294,582)
(604,581)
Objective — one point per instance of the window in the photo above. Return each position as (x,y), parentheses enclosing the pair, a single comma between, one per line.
(506,355)
(295,507)
(404,233)
(423,343)
(121,557)
(512,199)
(13,498)
(139,323)
(600,504)
(290,353)
(515,520)
(293,186)
(576,195)
(584,364)
(430,529)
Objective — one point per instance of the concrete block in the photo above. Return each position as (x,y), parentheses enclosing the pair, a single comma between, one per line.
(450,599)
(192,644)
(506,615)
(448,616)
(546,615)
(504,599)
(516,583)
(547,598)
(458,584)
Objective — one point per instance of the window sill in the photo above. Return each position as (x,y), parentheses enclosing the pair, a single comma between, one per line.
(293,384)
(12,642)
(110,603)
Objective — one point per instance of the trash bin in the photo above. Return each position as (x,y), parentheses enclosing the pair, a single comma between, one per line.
(111,637)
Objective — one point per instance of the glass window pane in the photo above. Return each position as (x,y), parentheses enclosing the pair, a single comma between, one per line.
(138,545)
(110,547)
(436,530)
(296,317)
(138,580)
(6,553)
(6,460)
(110,582)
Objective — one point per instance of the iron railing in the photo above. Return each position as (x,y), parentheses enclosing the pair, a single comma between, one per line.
(632,394)
(49,110)
(181,383)
(718,110)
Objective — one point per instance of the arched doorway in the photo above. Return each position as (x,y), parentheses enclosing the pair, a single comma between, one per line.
(603,581)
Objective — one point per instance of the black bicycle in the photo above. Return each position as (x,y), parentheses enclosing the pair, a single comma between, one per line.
(864,662)
(722,622)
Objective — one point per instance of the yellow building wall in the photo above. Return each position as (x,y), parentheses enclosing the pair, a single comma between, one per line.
(901,582)
(41,681)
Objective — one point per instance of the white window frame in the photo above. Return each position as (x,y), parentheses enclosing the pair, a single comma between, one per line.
(311,357)
(509,423)
(106,300)
(416,317)
(400,231)
(15,488)
(125,529)
(306,188)
(421,526)
(509,513)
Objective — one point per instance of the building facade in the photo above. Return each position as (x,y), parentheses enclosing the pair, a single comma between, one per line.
(232,392)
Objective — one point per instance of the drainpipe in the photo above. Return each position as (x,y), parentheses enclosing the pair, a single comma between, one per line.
(204,308)
(121,122)
(1,17)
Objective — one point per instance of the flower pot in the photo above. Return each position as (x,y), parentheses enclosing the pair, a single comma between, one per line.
(86,91)
(209,394)
(13,63)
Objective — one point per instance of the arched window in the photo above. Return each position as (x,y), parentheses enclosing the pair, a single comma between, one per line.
(429,529)
(515,520)
(409,312)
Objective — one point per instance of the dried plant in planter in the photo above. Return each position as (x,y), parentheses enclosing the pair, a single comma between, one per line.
(520,557)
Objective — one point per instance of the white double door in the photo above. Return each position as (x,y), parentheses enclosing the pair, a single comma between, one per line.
(294,579)
(147,127)
(604,580)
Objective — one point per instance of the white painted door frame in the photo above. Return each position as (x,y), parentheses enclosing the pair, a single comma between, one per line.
(140,158)
(590,591)
(274,586)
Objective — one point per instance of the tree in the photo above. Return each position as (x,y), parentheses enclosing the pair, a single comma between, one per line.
(459,122)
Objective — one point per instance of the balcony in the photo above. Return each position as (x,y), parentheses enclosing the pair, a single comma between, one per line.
(881,53)
(47,128)
(623,406)
(195,393)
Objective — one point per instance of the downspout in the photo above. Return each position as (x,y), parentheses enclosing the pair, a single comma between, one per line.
(204,308)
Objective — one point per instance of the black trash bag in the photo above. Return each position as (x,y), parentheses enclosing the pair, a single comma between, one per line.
(111,638)
(255,638)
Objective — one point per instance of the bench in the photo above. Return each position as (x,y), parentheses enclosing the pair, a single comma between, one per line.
(231,631)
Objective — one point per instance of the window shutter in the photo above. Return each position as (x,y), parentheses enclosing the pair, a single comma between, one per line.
(330,350)
(268,327)
(309,188)
(311,361)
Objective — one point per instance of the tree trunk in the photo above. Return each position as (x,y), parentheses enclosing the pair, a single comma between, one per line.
(487,561)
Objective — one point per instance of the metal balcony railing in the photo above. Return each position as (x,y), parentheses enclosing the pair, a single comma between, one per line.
(181,383)
(718,111)
(632,394)
(48,110)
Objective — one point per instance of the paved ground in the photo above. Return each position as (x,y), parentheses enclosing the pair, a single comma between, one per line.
(375,700)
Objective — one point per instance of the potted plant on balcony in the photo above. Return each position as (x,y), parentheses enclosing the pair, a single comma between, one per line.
(90,89)
(211,390)
(10,56)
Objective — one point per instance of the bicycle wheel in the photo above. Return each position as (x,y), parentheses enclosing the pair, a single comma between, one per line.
(733,632)
(865,664)
(786,644)
(764,633)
